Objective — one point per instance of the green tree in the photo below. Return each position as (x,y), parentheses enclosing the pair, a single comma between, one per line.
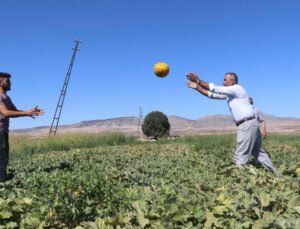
(156,124)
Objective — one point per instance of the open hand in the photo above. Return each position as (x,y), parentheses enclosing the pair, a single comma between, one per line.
(193,77)
(191,84)
(35,112)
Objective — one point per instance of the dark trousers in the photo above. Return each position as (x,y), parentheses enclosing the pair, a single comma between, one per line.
(4,155)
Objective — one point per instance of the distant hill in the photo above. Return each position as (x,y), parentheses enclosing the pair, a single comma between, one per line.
(179,125)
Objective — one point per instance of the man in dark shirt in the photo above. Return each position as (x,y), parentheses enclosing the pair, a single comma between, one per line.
(8,110)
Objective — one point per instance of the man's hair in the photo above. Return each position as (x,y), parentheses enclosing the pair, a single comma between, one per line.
(4,75)
(251,100)
(233,77)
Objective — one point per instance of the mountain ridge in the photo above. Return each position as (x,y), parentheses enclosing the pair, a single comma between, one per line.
(179,125)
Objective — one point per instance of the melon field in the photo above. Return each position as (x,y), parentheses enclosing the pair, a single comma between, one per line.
(114,181)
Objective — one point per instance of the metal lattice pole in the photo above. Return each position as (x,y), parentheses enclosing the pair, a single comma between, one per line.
(62,96)
(140,122)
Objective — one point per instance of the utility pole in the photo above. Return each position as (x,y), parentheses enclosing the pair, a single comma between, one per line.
(140,122)
(62,96)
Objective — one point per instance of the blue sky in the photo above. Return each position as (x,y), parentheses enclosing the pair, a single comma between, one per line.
(122,40)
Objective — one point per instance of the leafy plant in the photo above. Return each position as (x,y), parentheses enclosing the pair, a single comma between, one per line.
(186,183)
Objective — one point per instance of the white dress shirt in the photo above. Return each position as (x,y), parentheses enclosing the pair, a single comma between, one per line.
(237,99)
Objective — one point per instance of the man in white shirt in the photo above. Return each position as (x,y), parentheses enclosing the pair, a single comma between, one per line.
(249,139)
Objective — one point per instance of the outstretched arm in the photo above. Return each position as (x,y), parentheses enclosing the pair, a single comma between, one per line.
(197,87)
(18,113)
(225,90)
(203,91)
(193,77)
(211,87)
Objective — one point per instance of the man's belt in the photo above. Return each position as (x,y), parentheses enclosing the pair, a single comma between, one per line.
(244,120)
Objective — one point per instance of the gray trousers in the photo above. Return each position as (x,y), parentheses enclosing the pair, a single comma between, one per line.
(249,142)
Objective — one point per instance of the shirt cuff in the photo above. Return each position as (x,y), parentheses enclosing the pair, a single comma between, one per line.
(211,86)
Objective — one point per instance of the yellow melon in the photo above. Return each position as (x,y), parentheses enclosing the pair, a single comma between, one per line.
(161,69)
